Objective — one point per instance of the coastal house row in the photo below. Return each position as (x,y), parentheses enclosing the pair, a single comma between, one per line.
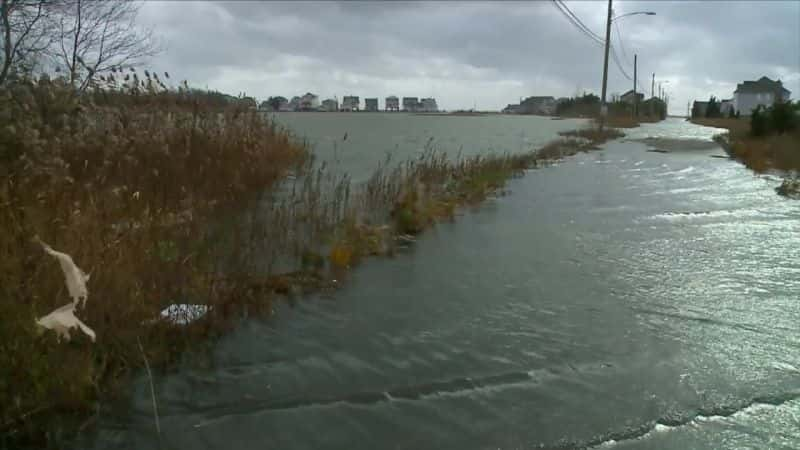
(311,102)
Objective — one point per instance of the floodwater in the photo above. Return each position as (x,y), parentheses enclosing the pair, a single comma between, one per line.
(620,299)
(358,143)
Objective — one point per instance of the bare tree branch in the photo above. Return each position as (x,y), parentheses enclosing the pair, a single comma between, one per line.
(24,35)
(100,36)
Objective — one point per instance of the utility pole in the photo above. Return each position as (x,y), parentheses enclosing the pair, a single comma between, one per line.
(635,97)
(653,87)
(603,106)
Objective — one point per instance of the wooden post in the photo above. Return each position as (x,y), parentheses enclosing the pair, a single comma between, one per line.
(603,106)
(635,97)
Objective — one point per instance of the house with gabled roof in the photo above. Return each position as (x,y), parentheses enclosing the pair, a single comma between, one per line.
(765,92)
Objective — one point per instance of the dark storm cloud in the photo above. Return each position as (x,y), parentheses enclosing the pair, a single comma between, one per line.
(489,53)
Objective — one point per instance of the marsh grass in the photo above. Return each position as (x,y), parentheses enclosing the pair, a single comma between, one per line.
(166,197)
(759,153)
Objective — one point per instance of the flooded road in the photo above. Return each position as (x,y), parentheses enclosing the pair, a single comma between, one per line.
(620,299)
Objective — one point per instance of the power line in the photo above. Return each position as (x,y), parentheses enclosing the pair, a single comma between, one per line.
(578,23)
(621,45)
(619,65)
(596,36)
(575,21)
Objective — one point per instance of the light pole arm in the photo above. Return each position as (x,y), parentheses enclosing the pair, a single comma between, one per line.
(646,13)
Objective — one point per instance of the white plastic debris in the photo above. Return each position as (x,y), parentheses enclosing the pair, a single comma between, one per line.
(73,275)
(183,313)
(62,319)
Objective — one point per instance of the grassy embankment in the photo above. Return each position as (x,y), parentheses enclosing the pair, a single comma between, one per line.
(166,198)
(761,153)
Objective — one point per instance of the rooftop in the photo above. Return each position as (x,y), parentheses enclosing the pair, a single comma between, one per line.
(763,84)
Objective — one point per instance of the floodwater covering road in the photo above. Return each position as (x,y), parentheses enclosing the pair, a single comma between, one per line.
(620,299)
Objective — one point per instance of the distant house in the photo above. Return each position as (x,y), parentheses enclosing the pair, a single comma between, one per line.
(428,105)
(392,103)
(285,106)
(350,103)
(265,107)
(330,105)
(274,104)
(410,104)
(631,97)
(655,107)
(726,106)
(371,104)
(765,92)
(309,102)
(512,109)
(248,102)
(699,109)
(544,105)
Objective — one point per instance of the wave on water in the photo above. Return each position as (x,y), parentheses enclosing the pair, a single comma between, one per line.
(414,392)
(690,215)
(676,172)
(667,424)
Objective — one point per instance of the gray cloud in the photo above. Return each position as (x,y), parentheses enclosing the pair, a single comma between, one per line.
(489,53)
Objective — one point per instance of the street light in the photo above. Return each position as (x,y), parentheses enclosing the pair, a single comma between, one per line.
(603,106)
(646,13)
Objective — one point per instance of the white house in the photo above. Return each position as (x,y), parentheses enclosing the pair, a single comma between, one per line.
(544,105)
(410,104)
(749,94)
(371,104)
(350,103)
(428,105)
(392,103)
(309,102)
(330,105)
(725,107)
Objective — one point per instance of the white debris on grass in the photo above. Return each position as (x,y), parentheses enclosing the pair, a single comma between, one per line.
(183,313)
(63,318)
(73,275)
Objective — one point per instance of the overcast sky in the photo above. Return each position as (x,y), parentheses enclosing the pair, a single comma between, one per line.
(489,54)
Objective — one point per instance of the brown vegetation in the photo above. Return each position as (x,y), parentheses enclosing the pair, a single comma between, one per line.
(738,127)
(166,198)
(759,153)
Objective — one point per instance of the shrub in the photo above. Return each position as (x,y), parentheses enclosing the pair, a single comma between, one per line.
(782,117)
(779,118)
(759,122)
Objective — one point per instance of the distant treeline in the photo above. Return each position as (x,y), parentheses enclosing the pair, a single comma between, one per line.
(588,105)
